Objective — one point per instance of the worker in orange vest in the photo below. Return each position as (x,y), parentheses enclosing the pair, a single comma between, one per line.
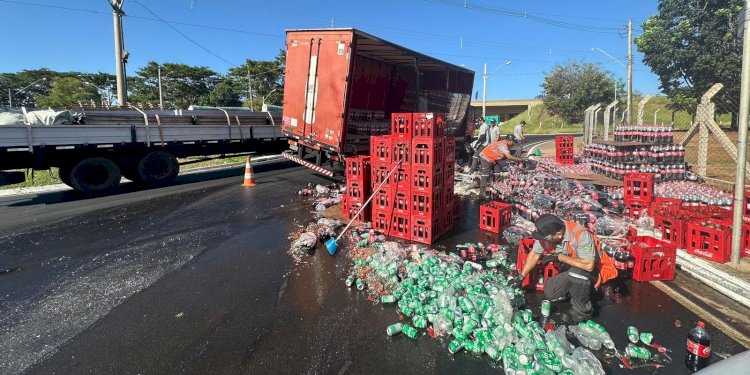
(494,157)
(583,265)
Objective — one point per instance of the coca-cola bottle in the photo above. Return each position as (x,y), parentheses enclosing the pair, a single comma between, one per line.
(698,352)
(621,263)
(631,263)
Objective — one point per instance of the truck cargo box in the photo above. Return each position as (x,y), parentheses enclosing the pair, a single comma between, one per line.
(342,85)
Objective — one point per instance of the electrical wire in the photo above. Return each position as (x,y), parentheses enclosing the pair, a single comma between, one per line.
(185,35)
(526,15)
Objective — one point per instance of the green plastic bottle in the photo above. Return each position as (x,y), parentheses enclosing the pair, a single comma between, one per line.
(394,329)
(633,335)
(388,298)
(637,352)
(409,331)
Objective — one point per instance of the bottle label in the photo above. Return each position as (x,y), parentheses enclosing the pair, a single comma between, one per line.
(702,351)
(620,265)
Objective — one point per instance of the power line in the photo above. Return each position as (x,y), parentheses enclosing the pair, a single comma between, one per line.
(526,15)
(55,7)
(185,35)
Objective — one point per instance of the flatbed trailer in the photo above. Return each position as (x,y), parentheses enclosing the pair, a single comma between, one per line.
(142,146)
(342,85)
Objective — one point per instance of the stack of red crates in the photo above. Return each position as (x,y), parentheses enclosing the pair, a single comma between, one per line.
(639,192)
(357,187)
(540,274)
(417,203)
(564,149)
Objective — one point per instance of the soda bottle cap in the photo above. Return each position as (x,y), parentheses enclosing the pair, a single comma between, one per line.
(701,324)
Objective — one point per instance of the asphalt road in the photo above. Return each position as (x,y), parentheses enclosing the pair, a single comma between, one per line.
(195,278)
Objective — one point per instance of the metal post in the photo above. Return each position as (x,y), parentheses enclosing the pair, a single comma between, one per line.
(250,88)
(655,112)
(117,14)
(161,99)
(739,183)
(484,92)
(10,98)
(630,67)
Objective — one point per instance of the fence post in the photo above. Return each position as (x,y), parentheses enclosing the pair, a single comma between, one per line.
(641,106)
(607,118)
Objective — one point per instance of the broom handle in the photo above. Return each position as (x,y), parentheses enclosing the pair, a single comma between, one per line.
(368,200)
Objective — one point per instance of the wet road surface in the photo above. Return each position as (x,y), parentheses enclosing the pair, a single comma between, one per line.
(195,279)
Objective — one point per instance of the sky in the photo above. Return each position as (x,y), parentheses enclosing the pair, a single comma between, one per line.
(534,35)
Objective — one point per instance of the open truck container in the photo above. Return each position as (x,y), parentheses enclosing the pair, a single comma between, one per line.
(342,85)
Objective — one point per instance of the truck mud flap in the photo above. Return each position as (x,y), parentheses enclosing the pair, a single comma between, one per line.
(312,166)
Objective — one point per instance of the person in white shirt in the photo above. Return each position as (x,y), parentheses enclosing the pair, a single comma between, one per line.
(483,139)
(520,138)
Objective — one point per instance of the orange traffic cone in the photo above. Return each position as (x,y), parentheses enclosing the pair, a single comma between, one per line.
(249,176)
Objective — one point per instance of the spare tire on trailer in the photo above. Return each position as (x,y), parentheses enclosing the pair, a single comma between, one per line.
(94,175)
(158,168)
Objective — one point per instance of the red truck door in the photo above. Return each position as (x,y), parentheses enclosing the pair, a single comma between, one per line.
(315,86)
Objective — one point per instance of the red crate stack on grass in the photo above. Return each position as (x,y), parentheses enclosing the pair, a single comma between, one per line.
(417,202)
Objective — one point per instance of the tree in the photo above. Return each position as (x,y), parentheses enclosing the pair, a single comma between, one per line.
(182,85)
(571,88)
(691,45)
(266,78)
(67,91)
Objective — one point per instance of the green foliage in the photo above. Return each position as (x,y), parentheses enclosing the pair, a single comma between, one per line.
(182,85)
(572,87)
(539,121)
(68,91)
(691,45)
(28,86)
(266,78)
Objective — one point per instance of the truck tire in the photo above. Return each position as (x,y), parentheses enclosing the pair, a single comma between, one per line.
(63,173)
(158,168)
(94,175)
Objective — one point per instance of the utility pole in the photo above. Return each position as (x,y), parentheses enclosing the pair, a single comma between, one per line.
(739,182)
(10,98)
(630,67)
(250,88)
(120,54)
(161,100)
(484,91)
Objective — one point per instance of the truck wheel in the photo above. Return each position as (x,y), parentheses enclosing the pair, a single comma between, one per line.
(63,173)
(94,175)
(158,168)
(129,167)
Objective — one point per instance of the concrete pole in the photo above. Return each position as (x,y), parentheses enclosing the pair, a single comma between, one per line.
(484,92)
(119,47)
(739,183)
(161,99)
(630,67)
(250,88)
(10,98)
(655,112)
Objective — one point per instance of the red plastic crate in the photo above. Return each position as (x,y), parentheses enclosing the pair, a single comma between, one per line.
(425,229)
(344,205)
(401,125)
(539,272)
(673,225)
(358,168)
(401,226)
(354,207)
(448,194)
(450,150)
(633,209)
(427,124)
(713,243)
(666,204)
(427,204)
(713,212)
(494,216)
(449,173)
(401,179)
(426,179)
(654,259)
(383,199)
(746,238)
(379,173)
(401,151)
(564,141)
(428,152)
(564,156)
(381,221)
(357,191)
(639,187)
(456,208)
(381,149)
(747,202)
(402,202)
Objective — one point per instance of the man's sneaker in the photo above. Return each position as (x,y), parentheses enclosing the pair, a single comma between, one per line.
(574,317)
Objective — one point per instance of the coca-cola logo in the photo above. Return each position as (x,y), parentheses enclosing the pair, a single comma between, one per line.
(706,254)
(703,351)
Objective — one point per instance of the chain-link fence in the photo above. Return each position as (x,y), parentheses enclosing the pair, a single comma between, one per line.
(707,128)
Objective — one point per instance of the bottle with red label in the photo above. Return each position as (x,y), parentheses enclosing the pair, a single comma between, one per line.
(698,353)
(621,263)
